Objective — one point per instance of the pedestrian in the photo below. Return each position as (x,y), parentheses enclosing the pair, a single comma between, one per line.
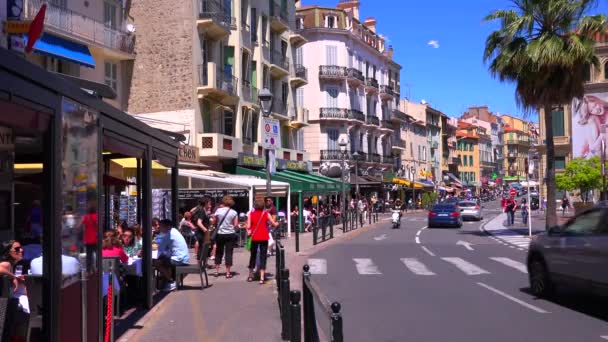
(565,205)
(226,234)
(257,229)
(510,210)
(524,211)
(201,218)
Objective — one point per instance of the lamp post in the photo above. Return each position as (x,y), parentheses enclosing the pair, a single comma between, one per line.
(265,98)
(343,145)
(356,156)
(413,178)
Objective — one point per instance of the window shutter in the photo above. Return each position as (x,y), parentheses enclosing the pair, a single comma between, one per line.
(300,97)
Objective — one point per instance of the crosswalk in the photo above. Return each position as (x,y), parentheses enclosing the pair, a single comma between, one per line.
(515,238)
(418,267)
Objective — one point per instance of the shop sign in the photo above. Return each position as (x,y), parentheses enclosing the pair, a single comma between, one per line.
(293,165)
(190,194)
(251,160)
(7,139)
(17,26)
(188,153)
(270,133)
(17,44)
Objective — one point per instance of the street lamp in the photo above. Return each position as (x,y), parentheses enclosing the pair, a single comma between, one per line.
(356,156)
(413,179)
(343,142)
(265,98)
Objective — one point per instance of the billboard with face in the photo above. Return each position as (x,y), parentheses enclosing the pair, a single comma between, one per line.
(589,117)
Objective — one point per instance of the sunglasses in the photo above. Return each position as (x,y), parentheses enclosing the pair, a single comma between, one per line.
(17,249)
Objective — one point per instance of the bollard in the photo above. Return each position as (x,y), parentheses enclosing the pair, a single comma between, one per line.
(284,293)
(336,323)
(295,316)
(308,308)
(369,217)
(297,240)
(332,220)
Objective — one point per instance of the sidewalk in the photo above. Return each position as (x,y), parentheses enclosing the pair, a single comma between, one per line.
(231,309)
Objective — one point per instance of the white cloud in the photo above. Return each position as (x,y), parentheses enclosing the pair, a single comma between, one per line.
(433,43)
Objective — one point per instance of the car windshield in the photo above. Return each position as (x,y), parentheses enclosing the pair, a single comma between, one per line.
(444,208)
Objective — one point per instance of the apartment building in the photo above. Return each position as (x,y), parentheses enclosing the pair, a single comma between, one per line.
(417,155)
(449,162)
(516,137)
(355,90)
(434,142)
(493,125)
(468,152)
(201,64)
(87,42)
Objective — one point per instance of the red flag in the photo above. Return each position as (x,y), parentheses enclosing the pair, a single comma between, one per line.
(35,29)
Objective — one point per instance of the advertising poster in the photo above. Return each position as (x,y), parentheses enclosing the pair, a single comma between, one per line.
(589,116)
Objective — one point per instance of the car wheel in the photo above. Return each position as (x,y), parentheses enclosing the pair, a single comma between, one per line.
(540,282)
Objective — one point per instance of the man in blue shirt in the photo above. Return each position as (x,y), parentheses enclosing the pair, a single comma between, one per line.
(172,251)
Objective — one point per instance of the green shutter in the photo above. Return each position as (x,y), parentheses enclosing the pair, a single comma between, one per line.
(558,123)
(229,55)
(254,74)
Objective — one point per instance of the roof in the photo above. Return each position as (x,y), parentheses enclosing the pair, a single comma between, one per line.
(466,136)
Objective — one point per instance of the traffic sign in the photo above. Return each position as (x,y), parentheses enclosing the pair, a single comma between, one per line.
(270,133)
(512,192)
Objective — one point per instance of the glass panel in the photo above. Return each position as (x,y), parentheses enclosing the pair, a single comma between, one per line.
(558,123)
(560,163)
(79,230)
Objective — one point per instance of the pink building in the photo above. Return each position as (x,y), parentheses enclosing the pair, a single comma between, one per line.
(355,90)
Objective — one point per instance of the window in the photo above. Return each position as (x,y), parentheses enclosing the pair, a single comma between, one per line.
(244,12)
(331,55)
(419,152)
(471,161)
(466,163)
(331,21)
(255,119)
(111,75)
(332,97)
(109,15)
(332,139)
(299,56)
(470,147)
(228,123)
(353,98)
(560,163)
(586,73)
(264,28)
(299,97)
(558,122)
(411,150)
(350,59)
(586,224)
(254,24)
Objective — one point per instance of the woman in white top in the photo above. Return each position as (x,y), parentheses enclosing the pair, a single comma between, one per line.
(227,224)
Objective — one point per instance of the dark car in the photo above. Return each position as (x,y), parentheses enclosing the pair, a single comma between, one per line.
(445,215)
(574,254)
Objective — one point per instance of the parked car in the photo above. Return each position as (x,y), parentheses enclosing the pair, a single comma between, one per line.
(470,210)
(574,254)
(445,215)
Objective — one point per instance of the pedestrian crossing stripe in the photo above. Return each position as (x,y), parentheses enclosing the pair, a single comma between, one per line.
(416,266)
(366,266)
(466,267)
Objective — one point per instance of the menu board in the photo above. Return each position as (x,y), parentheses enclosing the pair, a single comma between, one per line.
(123,205)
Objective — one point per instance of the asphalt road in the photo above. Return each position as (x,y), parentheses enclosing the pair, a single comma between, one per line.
(417,284)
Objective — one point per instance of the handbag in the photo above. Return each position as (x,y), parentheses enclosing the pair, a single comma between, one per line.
(249,238)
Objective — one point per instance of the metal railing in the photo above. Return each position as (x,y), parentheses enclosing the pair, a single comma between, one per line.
(399,143)
(332,71)
(356,114)
(355,74)
(300,71)
(278,12)
(334,155)
(386,124)
(388,159)
(279,107)
(249,92)
(372,120)
(371,82)
(374,158)
(333,113)
(321,225)
(331,311)
(223,81)
(277,58)
(386,89)
(211,9)
(397,114)
(80,25)
(299,114)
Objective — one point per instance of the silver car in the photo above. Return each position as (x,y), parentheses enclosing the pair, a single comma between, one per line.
(574,254)
(470,210)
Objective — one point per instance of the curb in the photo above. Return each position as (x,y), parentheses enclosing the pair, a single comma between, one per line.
(501,217)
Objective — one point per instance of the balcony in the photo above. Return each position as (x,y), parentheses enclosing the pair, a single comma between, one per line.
(296,39)
(399,145)
(355,114)
(372,120)
(279,65)
(374,158)
(249,93)
(355,77)
(215,20)
(216,145)
(335,155)
(397,116)
(386,125)
(518,142)
(279,109)
(371,85)
(246,34)
(500,156)
(298,117)
(216,85)
(332,72)
(386,92)
(119,43)
(278,18)
(333,113)
(434,145)
(388,160)
(300,76)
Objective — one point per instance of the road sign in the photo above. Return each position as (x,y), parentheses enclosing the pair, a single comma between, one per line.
(512,192)
(270,133)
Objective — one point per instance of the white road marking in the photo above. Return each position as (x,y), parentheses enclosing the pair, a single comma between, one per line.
(466,266)
(417,240)
(416,266)
(418,234)
(604,337)
(366,266)
(509,297)
(428,251)
(317,266)
(511,263)
(380,238)
(466,245)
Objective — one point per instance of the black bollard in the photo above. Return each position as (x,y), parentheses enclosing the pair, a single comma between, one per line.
(284,293)
(295,316)
(336,323)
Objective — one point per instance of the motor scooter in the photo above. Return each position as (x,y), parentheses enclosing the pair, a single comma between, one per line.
(396,219)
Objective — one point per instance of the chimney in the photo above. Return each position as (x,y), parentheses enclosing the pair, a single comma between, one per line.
(390,51)
(370,23)
(350,6)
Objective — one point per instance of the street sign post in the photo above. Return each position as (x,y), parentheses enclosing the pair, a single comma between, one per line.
(270,133)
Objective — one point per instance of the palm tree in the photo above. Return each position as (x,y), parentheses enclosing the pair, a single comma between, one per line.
(545,48)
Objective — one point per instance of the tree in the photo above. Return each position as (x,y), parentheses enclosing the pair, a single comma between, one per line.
(544,47)
(426,200)
(581,174)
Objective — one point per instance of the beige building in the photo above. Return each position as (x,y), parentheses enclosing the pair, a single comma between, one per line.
(200,65)
(87,42)
(416,157)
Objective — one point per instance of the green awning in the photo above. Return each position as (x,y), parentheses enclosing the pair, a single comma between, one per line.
(300,182)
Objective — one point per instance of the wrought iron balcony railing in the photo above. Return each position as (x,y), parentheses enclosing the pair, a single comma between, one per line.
(277,58)
(332,71)
(212,9)
(353,73)
(333,113)
(356,114)
(371,82)
(301,71)
(372,120)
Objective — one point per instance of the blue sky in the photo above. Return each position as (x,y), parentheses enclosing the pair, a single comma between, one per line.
(452,76)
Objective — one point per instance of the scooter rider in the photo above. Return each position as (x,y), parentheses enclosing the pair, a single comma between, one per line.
(397,208)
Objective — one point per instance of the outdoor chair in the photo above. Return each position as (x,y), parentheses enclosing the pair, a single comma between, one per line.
(34,286)
(200,267)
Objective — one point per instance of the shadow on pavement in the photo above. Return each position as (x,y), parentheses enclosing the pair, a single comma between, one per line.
(594,306)
(130,318)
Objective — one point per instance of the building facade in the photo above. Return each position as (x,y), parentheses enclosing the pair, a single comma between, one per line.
(516,137)
(353,90)
(468,152)
(86,42)
(200,64)
(416,158)
(434,142)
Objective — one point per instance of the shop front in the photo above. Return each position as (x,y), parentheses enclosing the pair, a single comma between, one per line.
(54,181)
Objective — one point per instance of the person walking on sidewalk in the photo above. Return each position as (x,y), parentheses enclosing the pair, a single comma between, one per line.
(510,210)
(257,228)
(524,211)
(226,238)
(565,205)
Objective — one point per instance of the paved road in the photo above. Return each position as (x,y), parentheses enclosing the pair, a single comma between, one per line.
(417,284)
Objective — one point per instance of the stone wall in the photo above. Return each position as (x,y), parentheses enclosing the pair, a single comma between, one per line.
(163,77)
